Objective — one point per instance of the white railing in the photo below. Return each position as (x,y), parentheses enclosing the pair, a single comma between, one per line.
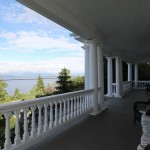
(39,116)
(114,88)
(140,84)
(126,87)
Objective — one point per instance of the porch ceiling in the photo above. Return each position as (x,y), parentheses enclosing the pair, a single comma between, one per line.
(123,25)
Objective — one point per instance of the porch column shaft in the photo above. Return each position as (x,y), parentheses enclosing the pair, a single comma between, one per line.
(118,77)
(86,74)
(136,75)
(129,72)
(100,77)
(93,67)
(109,76)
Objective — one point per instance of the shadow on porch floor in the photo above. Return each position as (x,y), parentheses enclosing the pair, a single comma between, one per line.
(111,130)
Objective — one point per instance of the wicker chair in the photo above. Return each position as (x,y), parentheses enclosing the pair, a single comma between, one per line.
(140,107)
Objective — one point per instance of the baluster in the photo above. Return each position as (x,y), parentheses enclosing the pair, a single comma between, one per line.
(45,118)
(85,106)
(7,144)
(60,112)
(78,105)
(17,139)
(26,133)
(64,111)
(75,107)
(33,129)
(83,103)
(71,107)
(51,116)
(39,119)
(56,114)
(90,100)
(68,109)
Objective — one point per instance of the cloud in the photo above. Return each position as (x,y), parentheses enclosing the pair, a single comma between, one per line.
(75,65)
(17,13)
(42,40)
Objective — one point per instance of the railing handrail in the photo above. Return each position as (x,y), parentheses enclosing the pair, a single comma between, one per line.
(29,103)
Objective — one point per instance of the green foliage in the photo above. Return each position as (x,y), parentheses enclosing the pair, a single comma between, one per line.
(40,89)
(4,97)
(64,81)
(49,89)
(18,95)
(78,83)
(144,71)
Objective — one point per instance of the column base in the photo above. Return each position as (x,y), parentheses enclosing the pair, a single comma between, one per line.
(109,95)
(104,108)
(118,96)
(95,113)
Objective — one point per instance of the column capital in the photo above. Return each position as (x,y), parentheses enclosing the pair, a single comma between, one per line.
(86,45)
(93,42)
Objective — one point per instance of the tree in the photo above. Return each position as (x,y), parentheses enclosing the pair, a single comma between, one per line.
(17,94)
(49,89)
(64,81)
(3,94)
(78,83)
(144,71)
(40,86)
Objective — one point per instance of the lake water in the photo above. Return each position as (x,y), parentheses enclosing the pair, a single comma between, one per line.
(25,83)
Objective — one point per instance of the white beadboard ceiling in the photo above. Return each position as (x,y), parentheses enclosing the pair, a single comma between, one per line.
(122,25)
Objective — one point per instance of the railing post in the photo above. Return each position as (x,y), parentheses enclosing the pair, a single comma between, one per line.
(39,119)
(78,105)
(75,106)
(7,144)
(68,109)
(56,115)
(17,139)
(45,118)
(26,134)
(33,131)
(71,107)
(51,116)
(60,112)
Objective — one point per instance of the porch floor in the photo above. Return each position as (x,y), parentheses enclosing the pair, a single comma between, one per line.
(111,130)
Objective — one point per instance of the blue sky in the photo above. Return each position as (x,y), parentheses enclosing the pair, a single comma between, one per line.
(30,43)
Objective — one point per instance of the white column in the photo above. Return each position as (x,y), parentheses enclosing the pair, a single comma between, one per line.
(136,75)
(118,77)
(93,74)
(129,71)
(109,77)
(86,66)
(100,77)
